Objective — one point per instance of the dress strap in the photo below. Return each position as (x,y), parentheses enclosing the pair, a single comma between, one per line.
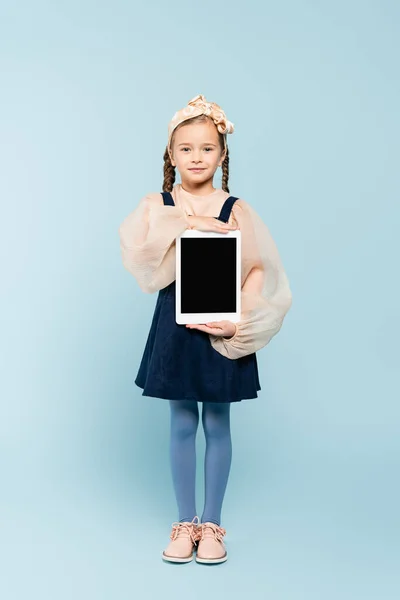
(168,200)
(226,209)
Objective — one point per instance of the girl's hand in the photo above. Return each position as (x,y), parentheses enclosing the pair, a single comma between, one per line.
(209,224)
(221,328)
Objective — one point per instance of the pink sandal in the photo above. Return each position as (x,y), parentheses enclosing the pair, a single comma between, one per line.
(211,549)
(184,537)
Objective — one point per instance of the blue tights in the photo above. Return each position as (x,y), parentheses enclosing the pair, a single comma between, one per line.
(218,456)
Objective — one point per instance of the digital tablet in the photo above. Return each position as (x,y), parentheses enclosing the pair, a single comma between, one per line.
(208,277)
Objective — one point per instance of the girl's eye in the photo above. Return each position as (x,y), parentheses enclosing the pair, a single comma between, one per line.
(186,148)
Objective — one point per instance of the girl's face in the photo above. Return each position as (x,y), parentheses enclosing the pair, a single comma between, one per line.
(197,146)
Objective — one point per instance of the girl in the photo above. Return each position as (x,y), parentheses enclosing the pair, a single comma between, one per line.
(211,363)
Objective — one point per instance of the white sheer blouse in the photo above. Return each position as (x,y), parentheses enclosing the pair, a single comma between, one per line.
(147,241)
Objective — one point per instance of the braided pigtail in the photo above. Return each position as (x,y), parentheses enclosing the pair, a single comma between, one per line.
(169,173)
(225,172)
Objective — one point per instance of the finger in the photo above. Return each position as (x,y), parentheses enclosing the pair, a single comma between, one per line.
(221,224)
(229,226)
(201,328)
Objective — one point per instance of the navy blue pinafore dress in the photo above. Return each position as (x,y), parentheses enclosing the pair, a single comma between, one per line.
(180,363)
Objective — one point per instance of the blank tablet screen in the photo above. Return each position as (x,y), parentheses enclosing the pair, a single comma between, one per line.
(208,275)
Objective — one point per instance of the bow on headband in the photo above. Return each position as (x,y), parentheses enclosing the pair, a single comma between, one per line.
(199,106)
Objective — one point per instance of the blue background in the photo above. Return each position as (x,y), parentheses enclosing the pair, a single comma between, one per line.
(87,90)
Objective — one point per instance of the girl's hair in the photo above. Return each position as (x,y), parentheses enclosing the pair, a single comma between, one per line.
(169,169)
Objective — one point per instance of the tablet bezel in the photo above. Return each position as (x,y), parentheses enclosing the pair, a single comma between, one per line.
(202,318)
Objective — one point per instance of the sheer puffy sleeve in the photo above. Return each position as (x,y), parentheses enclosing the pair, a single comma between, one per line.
(147,237)
(266,295)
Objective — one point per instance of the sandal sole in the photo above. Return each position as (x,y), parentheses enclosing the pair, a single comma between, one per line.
(211,561)
(176,559)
